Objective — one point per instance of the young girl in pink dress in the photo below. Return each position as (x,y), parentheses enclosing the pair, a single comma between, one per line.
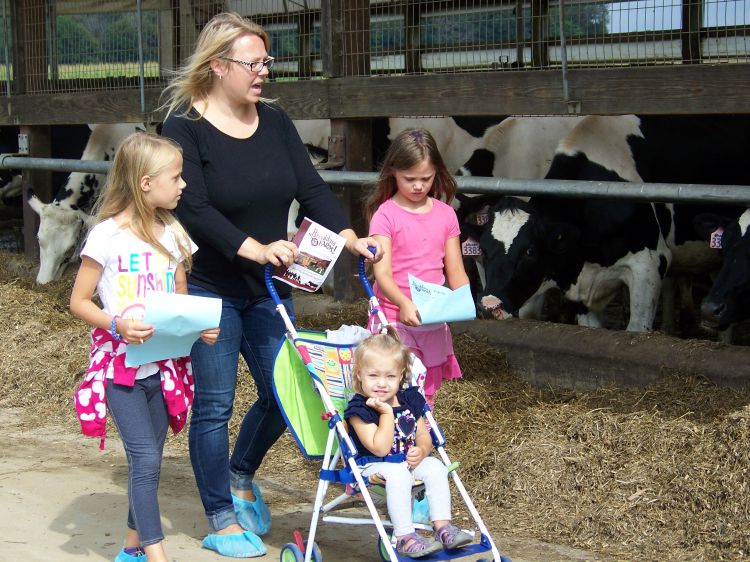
(410,215)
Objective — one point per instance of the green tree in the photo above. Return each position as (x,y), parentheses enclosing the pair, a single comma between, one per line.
(75,43)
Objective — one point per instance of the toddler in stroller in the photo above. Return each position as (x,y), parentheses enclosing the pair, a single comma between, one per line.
(391,451)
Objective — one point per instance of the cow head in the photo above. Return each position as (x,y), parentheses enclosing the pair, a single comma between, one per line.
(728,301)
(521,250)
(60,221)
(59,229)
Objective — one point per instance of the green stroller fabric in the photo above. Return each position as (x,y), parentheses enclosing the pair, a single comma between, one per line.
(295,392)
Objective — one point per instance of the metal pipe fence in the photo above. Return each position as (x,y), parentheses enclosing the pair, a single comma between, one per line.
(658,192)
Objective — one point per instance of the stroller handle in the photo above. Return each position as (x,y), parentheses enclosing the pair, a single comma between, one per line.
(363,274)
(267,273)
(268,277)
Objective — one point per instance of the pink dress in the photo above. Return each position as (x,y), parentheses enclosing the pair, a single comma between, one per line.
(418,247)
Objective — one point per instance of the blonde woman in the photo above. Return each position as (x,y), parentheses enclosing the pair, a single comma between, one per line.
(244,164)
(136,247)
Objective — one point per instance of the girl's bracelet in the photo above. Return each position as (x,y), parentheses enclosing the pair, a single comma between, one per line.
(113,329)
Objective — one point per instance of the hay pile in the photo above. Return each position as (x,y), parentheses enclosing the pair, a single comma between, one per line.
(660,474)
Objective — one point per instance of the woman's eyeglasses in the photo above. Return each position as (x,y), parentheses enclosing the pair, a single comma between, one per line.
(254,66)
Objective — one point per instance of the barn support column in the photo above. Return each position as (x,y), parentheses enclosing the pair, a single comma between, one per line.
(38,181)
(692,20)
(30,76)
(412,32)
(345,30)
(539,35)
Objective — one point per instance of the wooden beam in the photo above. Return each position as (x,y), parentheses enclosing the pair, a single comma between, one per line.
(678,89)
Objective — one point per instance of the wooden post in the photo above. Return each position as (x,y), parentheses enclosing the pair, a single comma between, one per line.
(690,34)
(342,21)
(539,36)
(305,39)
(520,33)
(412,32)
(30,35)
(40,181)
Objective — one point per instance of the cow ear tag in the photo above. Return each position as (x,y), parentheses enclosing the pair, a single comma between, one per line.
(471,247)
(715,239)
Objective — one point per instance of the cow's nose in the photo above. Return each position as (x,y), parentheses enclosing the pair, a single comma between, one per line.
(710,311)
(490,301)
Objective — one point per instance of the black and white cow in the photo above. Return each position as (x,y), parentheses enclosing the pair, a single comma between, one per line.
(728,301)
(586,248)
(618,242)
(60,221)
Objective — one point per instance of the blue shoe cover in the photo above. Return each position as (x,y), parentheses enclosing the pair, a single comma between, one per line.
(246,545)
(253,516)
(123,556)
(420,511)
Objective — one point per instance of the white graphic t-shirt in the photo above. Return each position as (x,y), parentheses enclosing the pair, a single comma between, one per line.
(132,269)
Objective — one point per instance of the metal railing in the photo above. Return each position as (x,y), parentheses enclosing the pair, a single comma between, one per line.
(661,192)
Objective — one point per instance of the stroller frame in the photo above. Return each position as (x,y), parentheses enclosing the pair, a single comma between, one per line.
(347,452)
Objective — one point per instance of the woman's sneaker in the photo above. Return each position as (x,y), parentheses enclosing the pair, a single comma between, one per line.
(416,546)
(451,536)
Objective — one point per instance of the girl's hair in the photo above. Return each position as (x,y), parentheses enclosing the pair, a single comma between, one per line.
(410,148)
(139,155)
(193,80)
(378,346)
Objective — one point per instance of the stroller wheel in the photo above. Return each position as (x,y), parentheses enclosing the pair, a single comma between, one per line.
(290,552)
(382,551)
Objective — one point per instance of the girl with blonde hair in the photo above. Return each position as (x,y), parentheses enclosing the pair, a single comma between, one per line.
(136,247)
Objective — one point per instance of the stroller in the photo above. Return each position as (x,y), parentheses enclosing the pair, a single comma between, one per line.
(312,382)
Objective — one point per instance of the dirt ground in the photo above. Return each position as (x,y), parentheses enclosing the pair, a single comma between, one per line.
(65,500)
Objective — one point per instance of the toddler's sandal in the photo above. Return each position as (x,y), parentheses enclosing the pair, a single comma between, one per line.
(416,546)
(452,537)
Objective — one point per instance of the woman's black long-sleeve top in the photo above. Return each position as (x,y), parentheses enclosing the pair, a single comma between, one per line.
(243,187)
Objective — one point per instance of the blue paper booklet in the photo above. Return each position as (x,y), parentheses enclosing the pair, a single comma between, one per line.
(178,321)
(437,303)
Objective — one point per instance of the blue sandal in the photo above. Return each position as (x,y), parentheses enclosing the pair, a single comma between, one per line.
(246,545)
(253,516)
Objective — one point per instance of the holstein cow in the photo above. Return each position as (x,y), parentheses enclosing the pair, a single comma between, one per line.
(702,149)
(585,248)
(728,301)
(614,234)
(61,220)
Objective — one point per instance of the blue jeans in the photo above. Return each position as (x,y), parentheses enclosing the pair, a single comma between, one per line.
(250,327)
(140,415)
